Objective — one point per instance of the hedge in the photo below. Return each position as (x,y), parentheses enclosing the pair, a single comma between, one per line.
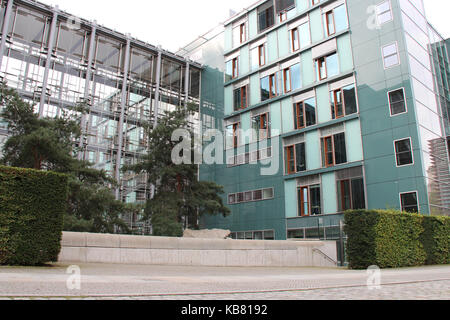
(393,239)
(32,206)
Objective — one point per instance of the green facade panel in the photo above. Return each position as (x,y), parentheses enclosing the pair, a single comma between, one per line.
(290,197)
(272,46)
(323,104)
(313,157)
(307,65)
(329,193)
(315,20)
(345,53)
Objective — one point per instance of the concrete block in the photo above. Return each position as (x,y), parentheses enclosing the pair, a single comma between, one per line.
(213,258)
(236,258)
(163,243)
(281,245)
(274,258)
(72,254)
(245,244)
(256,258)
(102,240)
(173,257)
(103,255)
(73,239)
(135,256)
(192,244)
(160,256)
(136,242)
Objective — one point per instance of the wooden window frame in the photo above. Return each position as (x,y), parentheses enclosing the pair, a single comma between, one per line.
(243,90)
(235,68)
(336,104)
(302,202)
(299,105)
(242,33)
(342,184)
(322,61)
(236,134)
(288,158)
(271,87)
(327,21)
(326,151)
(262,55)
(287,71)
(293,42)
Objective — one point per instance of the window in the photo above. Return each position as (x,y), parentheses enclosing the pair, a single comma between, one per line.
(231,69)
(397,101)
(343,102)
(240,98)
(235,65)
(239,34)
(305,114)
(351,194)
(309,201)
(300,37)
(384,12)
(283,7)
(403,152)
(292,78)
(295,158)
(249,196)
(334,150)
(258,56)
(390,55)
(265,17)
(261,126)
(233,135)
(314,2)
(409,202)
(327,66)
(269,87)
(295,40)
(335,20)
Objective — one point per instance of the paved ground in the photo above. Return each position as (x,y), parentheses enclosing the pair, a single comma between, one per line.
(105,281)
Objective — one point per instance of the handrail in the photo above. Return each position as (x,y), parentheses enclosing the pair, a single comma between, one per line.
(325,255)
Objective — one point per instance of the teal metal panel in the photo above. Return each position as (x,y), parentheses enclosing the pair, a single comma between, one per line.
(345,53)
(255,89)
(272,46)
(283,41)
(275,118)
(313,158)
(287,112)
(302,5)
(252,24)
(307,65)
(228,45)
(315,18)
(323,104)
(228,100)
(290,191)
(353,141)
(246,126)
(244,60)
(329,193)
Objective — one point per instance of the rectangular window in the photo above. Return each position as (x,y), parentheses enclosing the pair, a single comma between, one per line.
(269,86)
(295,158)
(390,55)
(261,126)
(314,2)
(309,201)
(305,114)
(295,40)
(242,33)
(265,18)
(335,20)
(287,80)
(403,152)
(334,150)
(409,202)
(397,101)
(284,5)
(262,55)
(305,35)
(343,102)
(235,66)
(384,13)
(329,23)
(351,195)
(232,136)
(240,98)
(327,67)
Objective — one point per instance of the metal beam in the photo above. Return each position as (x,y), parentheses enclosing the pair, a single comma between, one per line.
(186,84)
(5,29)
(123,105)
(158,87)
(87,91)
(51,43)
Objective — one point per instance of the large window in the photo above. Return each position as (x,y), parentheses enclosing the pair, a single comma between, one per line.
(397,101)
(343,102)
(265,16)
(295,157)
(239,34)
(350,187)
(283,7)
(240,98)
(334,150)
(292,78)
(390,55)
(403,152)
(335,20)
(250,196)
(409,202)
(258,56)
(327,66)
(269,87)
(384,13)
(300,37)
(309,201)
(233,135)
(261,126)
(305,113)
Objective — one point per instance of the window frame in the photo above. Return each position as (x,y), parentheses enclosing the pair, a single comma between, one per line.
(351,195)
(325,151)
(243,91)
(293,41)
(396,155)
(235,67)
(327,23)
(379,14)
(385,57)
(344,106)
(389,102)
(262,55)
(409,192)
(261,129)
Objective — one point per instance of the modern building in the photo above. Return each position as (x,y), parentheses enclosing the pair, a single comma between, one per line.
(349,97)
(57,61)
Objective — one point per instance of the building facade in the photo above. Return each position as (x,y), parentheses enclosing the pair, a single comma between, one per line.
(57,61)
(350,98)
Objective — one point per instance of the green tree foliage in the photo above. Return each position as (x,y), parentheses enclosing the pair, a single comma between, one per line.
(52,144)
(178,192)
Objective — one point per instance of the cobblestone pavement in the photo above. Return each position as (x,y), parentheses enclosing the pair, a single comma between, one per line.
(132,282)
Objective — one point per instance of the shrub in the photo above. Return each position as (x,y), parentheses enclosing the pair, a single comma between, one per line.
(436,239)
(32,206)
(388,239)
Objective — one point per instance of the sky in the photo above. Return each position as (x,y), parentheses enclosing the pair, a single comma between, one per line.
(173,24)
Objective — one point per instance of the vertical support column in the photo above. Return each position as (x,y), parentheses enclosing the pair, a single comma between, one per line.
(51,43)
(123,105)
(158,86)
(5,28)
(186,85)
(84,130)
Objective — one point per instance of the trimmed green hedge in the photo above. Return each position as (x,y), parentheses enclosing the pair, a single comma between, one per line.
(32,206)
(393,239)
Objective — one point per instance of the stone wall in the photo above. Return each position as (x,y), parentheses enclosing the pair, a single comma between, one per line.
(124,249)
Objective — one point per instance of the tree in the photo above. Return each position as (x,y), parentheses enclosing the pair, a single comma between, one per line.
(52,144)
(178,193)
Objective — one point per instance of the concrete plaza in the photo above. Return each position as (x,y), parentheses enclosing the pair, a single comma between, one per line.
(111,281)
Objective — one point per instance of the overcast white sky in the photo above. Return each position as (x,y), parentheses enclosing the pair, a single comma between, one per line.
(175,23)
